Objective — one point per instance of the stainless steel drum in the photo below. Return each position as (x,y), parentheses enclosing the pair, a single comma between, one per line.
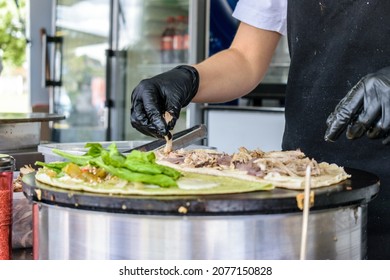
(257,225)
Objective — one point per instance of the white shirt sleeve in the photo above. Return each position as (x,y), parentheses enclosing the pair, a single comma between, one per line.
(264,14)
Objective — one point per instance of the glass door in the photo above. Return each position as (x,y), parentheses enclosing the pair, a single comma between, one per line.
(109,46)
(81,97)
(155,35)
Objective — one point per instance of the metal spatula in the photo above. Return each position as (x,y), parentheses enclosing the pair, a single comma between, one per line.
(180,140)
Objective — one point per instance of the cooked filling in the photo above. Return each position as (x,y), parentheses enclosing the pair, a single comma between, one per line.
(256,162)
(17,183)
(168,147)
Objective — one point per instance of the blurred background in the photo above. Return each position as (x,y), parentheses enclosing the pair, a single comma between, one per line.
(13,78)
(82,59)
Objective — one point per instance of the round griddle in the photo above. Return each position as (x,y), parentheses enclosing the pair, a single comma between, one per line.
(361,188)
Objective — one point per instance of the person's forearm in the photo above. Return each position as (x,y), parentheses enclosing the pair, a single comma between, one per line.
(224,77)
(234,72)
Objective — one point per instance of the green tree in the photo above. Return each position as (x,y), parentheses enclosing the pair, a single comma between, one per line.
(12,32)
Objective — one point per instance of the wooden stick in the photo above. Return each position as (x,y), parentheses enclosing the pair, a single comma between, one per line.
(306,207)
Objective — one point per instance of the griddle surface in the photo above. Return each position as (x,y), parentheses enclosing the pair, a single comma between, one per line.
(361,188)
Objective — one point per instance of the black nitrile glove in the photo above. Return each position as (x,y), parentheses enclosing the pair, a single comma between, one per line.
(365,109)
(166,92)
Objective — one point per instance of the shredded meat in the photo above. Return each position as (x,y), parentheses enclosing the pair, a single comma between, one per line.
(242,156)
(255,162)
(291,163)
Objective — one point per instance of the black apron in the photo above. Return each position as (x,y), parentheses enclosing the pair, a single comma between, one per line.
(333,43)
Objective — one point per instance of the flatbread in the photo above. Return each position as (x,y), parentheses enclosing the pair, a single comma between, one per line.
(283,169)
(185,172)
(188,184)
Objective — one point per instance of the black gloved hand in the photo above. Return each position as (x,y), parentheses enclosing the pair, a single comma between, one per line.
(166,92)
(365,109)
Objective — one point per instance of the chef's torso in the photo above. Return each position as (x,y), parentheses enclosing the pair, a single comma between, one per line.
(347,39)
(333,43)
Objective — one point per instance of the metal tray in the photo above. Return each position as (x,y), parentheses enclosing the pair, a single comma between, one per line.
(78,148)
(20,131)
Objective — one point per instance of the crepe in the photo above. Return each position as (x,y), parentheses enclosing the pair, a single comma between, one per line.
(188,184)
(282,169)
(185,172)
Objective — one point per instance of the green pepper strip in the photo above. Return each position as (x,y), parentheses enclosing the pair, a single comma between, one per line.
(123,173)
(150,168)
(55,166)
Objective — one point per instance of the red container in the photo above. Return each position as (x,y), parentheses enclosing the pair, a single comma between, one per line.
(7,165)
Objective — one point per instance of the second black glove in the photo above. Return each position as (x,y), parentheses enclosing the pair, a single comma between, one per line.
(365,109)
